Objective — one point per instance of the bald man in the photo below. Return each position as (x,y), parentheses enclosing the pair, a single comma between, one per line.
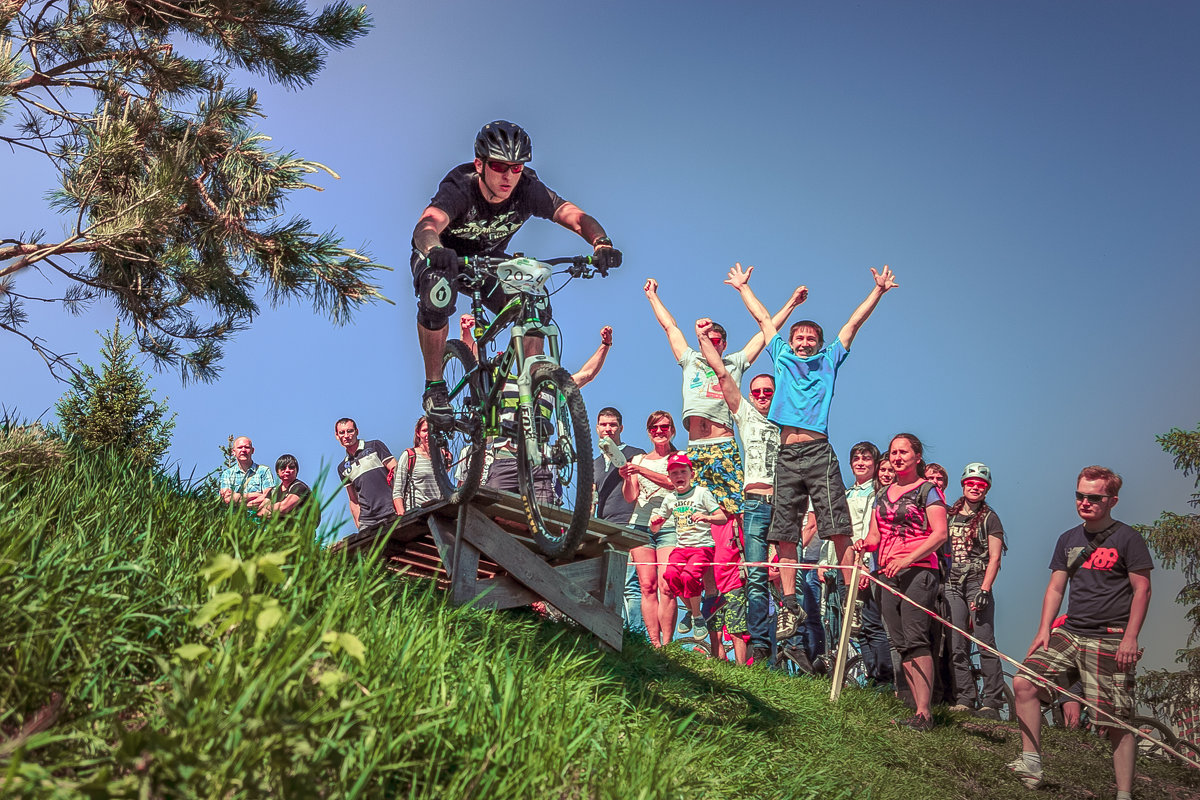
(245,482)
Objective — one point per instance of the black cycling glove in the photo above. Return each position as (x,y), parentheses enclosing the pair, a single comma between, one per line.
(982,600)
(442,259)
(606,257)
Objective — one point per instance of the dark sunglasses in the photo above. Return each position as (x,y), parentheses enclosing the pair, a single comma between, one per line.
(762,392)
(501,167)
(1094,499)
(660,428)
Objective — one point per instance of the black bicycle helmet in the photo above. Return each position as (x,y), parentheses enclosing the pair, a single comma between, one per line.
(503,141)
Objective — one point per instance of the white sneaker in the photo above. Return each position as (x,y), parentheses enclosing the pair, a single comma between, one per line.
(1031,779)
(960,708)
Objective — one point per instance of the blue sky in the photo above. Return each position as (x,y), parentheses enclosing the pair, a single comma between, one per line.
(1027,169)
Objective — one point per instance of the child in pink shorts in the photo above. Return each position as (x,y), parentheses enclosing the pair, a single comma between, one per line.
(694,510)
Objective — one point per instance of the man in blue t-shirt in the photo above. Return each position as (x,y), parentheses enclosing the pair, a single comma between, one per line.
(807,468)
(366,472)
(1107,565)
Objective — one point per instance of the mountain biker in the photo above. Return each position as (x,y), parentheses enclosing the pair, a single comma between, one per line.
(477,209)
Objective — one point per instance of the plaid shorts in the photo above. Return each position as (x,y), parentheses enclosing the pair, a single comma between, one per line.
(729,612)
(718,468)
(1092,660)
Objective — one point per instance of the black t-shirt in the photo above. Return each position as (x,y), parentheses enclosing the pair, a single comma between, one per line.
(965,546)
(611,505)
(1100,595)
(478,227)
(298,488)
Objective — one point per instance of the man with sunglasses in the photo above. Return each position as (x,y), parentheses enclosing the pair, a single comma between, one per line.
(477,209)
(1107,565)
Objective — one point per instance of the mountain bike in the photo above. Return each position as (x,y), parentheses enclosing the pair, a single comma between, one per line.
(550,425)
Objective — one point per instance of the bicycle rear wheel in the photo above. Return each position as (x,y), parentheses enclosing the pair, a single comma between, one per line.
(460,468)
(558,494)
(1159,735)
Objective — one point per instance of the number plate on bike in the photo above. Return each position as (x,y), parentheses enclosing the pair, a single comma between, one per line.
(523,275)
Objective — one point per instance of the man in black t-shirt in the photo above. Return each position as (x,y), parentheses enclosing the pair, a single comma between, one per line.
(1107,565)
(477,209)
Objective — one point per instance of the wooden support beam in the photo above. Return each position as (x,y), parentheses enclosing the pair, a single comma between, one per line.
(481,535)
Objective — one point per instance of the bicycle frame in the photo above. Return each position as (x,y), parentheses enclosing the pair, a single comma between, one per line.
(522,315)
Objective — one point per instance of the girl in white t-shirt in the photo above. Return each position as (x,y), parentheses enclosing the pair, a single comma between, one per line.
(646,483)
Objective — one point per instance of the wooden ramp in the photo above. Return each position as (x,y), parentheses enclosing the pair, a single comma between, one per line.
(495,564)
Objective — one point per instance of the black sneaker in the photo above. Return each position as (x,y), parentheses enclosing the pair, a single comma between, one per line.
(436,402)
(761,656)
(917,723)
(798,657)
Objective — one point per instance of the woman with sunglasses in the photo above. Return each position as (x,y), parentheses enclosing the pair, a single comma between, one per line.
(976,547)
(907,528)
(646,484)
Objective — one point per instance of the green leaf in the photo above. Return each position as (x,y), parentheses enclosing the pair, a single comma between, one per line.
(353,646)
(192,652)
(219,604)
(268,618)
(331,679)
(220,568)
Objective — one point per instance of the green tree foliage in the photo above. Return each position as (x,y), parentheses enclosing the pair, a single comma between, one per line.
(114,409)
(1175,539)
(175,207)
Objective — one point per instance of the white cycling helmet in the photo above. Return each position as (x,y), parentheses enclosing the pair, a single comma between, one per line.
(977,469)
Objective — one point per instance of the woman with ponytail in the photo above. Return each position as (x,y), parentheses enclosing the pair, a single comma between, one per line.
(976,546)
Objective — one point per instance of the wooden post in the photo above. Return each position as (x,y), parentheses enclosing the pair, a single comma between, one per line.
(839,665)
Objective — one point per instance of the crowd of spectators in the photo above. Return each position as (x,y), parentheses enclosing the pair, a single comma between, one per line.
(756,539)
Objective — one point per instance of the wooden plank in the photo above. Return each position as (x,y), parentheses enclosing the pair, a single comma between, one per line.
(443,537)
(462,582)
(613,567)
(535,574)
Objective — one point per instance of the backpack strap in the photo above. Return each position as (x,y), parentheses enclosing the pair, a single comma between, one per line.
(410,493)
(1086,552)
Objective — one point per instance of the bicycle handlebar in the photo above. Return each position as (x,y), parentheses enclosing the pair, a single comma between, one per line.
(581,266)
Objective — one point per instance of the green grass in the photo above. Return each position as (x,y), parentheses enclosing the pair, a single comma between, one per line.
(154,645)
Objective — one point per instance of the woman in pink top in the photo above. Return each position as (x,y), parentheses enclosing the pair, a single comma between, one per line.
(907,528)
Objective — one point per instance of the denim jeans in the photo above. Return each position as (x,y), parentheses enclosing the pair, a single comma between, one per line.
(808,586)
(756,520)
(633,601)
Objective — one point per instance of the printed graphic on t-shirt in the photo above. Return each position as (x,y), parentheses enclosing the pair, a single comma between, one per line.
(489,232)
(706,383)
(1104,559)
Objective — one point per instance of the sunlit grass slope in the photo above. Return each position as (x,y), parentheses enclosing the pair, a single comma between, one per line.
(154,645)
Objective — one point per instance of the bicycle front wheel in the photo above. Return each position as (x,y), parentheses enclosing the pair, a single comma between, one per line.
(1158,734)
(557,494)
(460,468)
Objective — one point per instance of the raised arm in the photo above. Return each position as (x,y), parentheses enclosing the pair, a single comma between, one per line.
(674,336)
(740,279)
(759,341)
(466,332)
(729,388)
(591,368)
(884,282)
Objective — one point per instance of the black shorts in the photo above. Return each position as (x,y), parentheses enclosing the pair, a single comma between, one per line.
(803,472)
(909,628)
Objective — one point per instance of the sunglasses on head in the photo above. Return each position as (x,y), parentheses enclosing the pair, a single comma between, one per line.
(1094,499)
(501,167)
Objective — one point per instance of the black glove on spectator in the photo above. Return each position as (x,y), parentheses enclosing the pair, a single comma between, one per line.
(982,600)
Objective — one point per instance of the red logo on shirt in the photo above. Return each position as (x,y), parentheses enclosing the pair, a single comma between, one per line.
(1105,558)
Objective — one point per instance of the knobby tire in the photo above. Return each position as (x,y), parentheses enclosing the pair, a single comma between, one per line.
(461,446)
(566,437)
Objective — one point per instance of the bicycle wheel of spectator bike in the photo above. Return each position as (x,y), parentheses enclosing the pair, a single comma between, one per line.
(460,469)
(1158,734)
(558,494)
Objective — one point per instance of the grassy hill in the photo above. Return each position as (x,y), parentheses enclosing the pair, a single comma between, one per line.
(155,645)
